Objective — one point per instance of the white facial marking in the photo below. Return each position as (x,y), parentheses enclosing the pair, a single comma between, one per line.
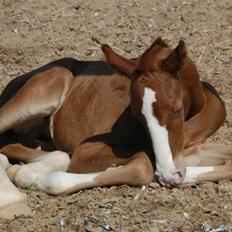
(193,172)
(159,136)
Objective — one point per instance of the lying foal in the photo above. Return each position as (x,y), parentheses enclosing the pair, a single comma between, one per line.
(117,130)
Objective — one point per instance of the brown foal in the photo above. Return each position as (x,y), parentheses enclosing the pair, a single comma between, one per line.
(149,118)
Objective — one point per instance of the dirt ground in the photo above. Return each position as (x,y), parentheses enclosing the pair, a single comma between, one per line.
(34,32)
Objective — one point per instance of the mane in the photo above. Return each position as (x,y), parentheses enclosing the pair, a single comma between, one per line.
(161,42)
(156,46)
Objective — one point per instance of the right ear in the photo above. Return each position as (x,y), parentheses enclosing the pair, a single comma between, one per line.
(174,62)
(122,64)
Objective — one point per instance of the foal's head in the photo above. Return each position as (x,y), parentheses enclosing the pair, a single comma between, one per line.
(157,101)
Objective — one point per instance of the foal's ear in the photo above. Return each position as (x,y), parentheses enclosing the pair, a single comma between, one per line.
(176,59)
(122,64)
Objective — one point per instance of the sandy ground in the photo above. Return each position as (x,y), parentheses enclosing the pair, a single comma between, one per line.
(33,33)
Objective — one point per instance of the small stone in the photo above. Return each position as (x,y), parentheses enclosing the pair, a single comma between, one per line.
(154,185)
(160,221)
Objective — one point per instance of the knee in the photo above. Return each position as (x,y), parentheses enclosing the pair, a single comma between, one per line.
(144,173)
(50,83)
(88,158)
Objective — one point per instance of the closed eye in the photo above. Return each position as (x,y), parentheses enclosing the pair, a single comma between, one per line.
(177,108)
(177,112)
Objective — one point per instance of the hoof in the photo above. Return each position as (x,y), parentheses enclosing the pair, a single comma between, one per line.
(12,170)
(4,162)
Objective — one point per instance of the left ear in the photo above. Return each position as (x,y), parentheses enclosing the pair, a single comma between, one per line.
(176,59)
(122,64)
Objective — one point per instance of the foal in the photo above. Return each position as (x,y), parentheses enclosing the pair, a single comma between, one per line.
(83,110)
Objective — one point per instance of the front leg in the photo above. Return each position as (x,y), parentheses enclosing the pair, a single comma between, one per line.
(48,172)
(208,162)
(96,157)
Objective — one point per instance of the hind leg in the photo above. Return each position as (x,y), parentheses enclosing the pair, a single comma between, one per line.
(12,201)
(25,175)
(38,98)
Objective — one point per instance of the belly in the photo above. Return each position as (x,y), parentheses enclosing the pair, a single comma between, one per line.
(92,107)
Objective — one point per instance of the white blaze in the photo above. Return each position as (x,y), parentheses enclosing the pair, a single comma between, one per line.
(159,136)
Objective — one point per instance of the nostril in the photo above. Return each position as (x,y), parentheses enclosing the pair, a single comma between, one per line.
(180,172)
(171,179)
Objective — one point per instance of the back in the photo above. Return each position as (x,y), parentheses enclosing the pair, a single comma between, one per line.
(75,66)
